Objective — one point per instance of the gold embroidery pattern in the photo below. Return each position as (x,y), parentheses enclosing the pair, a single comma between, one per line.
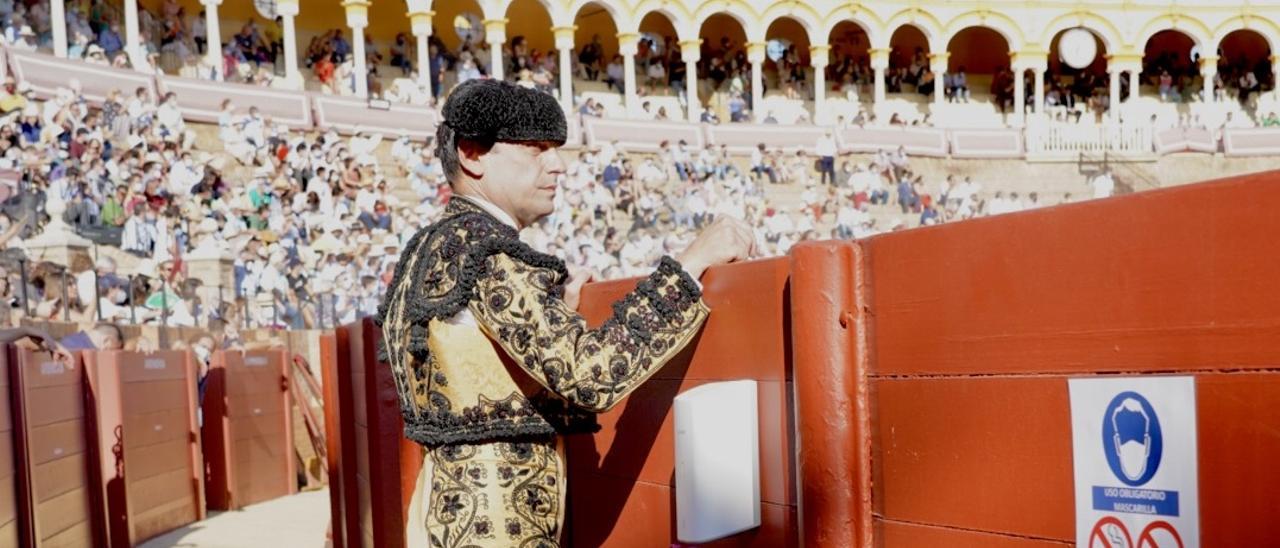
(496,494)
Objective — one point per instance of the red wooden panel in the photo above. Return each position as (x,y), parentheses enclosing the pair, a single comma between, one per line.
(247,429)
(650,457)
(1172,279)
(994,455)
(53,435)
(381,476)
(984,454)
(914,535)
(340,436)
(10,522)
(620,478)
(144,408)
(1239,447)
(749,298)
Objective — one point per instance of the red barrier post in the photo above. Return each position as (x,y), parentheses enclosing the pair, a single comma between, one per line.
(831,404)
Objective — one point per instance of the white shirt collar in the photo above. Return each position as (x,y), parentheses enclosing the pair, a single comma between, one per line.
(492,209)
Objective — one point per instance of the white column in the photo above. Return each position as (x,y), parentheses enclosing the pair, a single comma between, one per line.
(213,35)
(58,19)
(1208,70)
(1113,90)
(1135,79)
(1275,75)
(1019,95)
(879,62)
(818,58)
(420,21)
(132,36)
(495,34)
(628,43)
(288,10)
(938,65)
(564,46)
(1039,91)
(362,64)
(690,51)
(755,56)
(358,19)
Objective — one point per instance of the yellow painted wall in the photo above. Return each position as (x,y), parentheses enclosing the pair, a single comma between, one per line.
(719,26)
(594,20)
(529,19)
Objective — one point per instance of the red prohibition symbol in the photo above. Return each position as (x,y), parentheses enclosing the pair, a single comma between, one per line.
(1147,538)
(1099,534)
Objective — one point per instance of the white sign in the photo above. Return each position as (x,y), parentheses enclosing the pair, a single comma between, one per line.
(1134,442)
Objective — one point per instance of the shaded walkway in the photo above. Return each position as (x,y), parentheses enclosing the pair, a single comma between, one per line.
(294,521)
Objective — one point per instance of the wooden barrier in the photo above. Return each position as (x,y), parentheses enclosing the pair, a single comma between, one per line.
(967,393)
(56,466)
(248,429)
(373,467)
(152,469)
(11,523)
(621,490)
(344,524)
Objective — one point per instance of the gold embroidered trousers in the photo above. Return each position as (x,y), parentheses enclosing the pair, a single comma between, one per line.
(508,494)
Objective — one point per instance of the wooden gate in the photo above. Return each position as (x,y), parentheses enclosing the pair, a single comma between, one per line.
(248,429)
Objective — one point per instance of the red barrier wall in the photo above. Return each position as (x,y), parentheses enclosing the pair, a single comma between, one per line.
(56,467)
(621,479)
(248,429)
(339,434)
(374,467)
(11,523)
(974,328)
(152,470)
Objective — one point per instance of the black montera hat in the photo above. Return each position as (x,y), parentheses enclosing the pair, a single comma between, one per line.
(494,110)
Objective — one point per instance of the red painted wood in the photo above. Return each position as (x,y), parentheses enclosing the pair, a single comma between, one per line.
(620,479)
(340,435)
(1239,438)
(988,454)
(832,410)
(55,465)
(1173,279)
(913,535)
(247,431)
(144,409)
(994,455)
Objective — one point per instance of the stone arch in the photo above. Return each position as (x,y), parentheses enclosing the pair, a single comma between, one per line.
(1193,28)
(575,7)
(928,25)
(680,17)
(740,11)
(858,15)
(1261,25)
(800,12)
(1098,25)
(1002,24)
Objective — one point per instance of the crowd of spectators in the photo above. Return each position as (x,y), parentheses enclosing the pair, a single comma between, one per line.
(174,41)
(314,224)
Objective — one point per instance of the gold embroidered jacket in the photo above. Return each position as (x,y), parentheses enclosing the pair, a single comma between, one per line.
(532,367)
